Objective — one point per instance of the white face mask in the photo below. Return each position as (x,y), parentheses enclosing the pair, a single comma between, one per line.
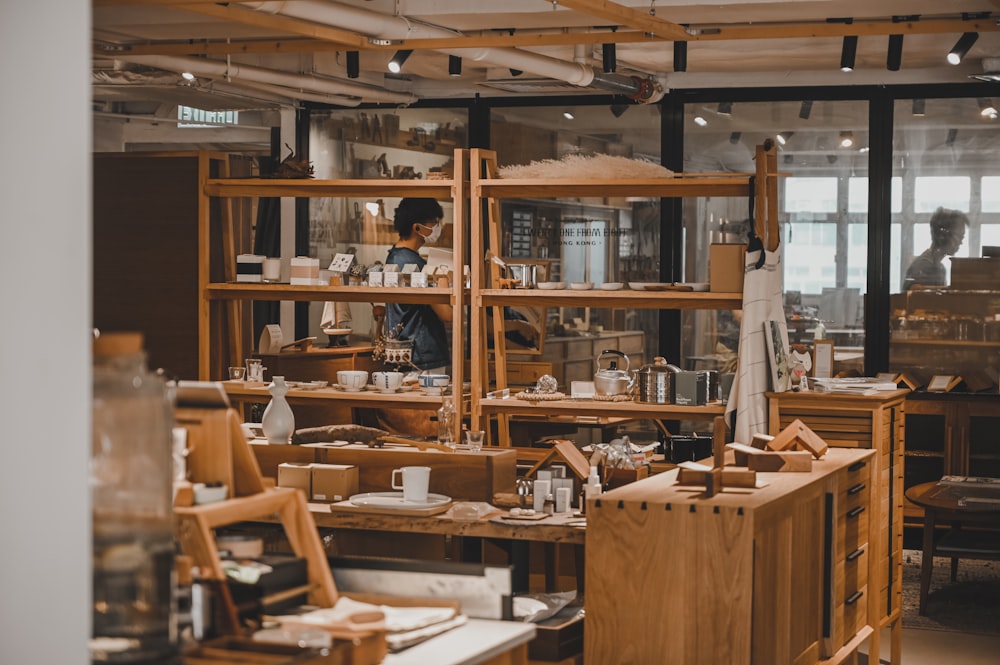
(435,233)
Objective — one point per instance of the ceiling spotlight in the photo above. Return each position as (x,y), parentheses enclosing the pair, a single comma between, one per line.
(832,159)
(680,56)
(353,64)
(987,109)
(846,139)
(187,76)
(806,109)
(962,47)
(515,72)
(783,137)
(619,109)
(725,108)
(848,52)
(609,58)
(454,65)
(735,137)
(864,149)
(700,121)
(568,115)
(894,58)
(919,108)
(952,135)
(396,64)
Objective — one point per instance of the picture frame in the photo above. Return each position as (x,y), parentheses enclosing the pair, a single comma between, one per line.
(777,353)
(823,359)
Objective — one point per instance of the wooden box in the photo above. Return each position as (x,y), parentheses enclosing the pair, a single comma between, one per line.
(726,263)
(460,475)
(559,637)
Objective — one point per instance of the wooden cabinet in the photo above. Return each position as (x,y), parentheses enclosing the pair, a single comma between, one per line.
(214,293)
(761,577)
(574,359)
(877,422)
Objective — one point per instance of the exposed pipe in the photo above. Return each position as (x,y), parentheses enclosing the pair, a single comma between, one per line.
(236,71)
(382,26)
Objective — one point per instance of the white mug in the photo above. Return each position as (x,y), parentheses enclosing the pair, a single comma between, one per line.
(416,479)
(387,382)
(352,380)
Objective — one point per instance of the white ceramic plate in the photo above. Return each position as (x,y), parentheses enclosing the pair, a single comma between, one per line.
(552,286)
(611,286)
(581,286)
(395,500)
(641,286)
(697,286)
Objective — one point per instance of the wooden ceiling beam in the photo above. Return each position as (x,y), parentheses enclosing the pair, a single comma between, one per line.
(861,29)
(616,14)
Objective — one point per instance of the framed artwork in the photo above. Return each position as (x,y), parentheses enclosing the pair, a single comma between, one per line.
(823,358)
(777,354)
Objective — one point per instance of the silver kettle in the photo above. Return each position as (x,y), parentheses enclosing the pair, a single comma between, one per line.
(656,381)
(610,381)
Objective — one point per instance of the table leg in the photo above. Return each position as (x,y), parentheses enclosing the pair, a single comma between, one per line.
(519,562)
(551,567)
(927,559)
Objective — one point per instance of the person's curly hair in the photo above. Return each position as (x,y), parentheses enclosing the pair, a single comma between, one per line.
(415,211)
(945,224)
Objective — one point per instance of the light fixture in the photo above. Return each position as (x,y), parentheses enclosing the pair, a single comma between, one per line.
(515,72)
(396,64)
(806,109)
(832,159)
(568,115)
(454,65)
(373,207)
(987,109)
(680,56)
(783,137)
(187,76)
(735,137)
(894,57)
(952,135)
(725,108)
(700,121)
(919,108)
(846,139)
(353,64)
(848,52)
(609,58)
(962,47)
(619,109)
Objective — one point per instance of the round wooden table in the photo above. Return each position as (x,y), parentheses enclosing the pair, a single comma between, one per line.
(950,504)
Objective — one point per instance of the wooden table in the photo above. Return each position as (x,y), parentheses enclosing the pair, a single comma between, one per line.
(945,504)
(478,642)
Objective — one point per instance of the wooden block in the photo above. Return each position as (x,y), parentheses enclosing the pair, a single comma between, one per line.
(784,460)
(569,453)
(798,434)
(742,452)
(731,477)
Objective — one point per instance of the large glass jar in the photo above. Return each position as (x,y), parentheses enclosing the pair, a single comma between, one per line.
(131,494)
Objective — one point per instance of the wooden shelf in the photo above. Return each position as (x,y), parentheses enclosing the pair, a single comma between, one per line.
(593,408)
(679,186)
(367,398)
(944,342)
(255,291)
(624,298)
(257,187)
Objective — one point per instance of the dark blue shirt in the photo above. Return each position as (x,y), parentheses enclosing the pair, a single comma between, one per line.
(420,323)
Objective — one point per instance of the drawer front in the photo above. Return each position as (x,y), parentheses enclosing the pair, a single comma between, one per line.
(855,567)
(854,611)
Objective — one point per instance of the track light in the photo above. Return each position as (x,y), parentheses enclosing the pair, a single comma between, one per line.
(894,57)
(846,139)
(725,108)
(515,72)
(619,109)
(919,108)
(848,52)
(187,76)
(961,47)
(609,58)
(353,64)
(987,109)
(783,137)
(735,137)
(832,159)
(396,64)
(806,109)
(952,135)
(454,65)
(680,56)
(568,115)
(700,121)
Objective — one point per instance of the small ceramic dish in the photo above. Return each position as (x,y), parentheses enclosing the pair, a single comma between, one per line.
(552,286)
(581,286)
(611,286)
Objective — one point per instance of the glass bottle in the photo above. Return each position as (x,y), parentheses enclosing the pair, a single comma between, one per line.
(446,423)
(131,497)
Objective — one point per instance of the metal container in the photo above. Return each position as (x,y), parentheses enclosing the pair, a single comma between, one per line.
(524,273)
(656,381)
(610,381)
(711,384)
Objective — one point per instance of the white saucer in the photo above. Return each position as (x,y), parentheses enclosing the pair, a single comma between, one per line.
(611,286)
(642,286)
(551,286)
(581,286)
(395,500)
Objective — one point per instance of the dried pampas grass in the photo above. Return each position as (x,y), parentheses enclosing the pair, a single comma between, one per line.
(587,166)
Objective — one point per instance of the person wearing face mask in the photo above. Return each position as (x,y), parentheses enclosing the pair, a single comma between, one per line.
(418,222)
(947,235)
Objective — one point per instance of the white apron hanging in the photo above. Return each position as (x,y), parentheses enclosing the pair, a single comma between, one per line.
(762,303)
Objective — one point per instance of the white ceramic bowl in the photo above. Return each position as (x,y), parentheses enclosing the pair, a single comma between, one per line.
(434,380)
(352,380)
(611,286)
(581,286)
(550,286)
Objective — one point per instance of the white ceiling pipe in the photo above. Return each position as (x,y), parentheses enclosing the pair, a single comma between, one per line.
(293,94)
(235,71)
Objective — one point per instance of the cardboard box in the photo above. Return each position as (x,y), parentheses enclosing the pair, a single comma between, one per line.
(304,270)
(291,474)
(726,266)
(334,482)
(250,268)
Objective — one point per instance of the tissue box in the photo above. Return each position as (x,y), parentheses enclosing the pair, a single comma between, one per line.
(305,271)
(250,268)
(295,475)
(334,482)
(726,266)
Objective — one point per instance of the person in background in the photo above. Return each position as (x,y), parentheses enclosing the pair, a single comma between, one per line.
(947,234)
(418,222)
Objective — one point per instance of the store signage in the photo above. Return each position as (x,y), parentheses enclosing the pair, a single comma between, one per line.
(188,116)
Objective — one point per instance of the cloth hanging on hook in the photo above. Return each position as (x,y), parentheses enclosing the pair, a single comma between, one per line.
(755,242)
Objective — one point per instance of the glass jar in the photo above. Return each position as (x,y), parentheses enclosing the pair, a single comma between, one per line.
(131,497)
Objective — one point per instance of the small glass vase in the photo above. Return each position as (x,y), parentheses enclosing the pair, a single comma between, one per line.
(278,422)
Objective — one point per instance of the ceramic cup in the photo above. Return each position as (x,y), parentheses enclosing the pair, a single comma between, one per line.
(415,480)
(434,383)
(387,382)
(352,380)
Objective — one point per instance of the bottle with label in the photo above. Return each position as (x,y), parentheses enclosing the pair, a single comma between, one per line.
(446,423)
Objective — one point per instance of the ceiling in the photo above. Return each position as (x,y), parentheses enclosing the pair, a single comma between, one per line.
(253,55)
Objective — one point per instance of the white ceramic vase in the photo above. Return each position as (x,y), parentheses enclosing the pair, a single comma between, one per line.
(278,422)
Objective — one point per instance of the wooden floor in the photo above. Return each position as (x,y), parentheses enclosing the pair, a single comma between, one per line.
(940,647)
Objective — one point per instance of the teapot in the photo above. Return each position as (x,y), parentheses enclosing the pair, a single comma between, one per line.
(610,381)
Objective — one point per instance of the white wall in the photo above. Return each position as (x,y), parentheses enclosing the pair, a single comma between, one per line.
(45,321)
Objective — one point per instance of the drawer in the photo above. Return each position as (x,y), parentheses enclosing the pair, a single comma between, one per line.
(854,611)
(852,529)
(855,566)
